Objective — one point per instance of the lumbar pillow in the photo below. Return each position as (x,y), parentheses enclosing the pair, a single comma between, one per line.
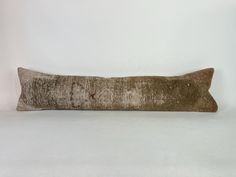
(189,92)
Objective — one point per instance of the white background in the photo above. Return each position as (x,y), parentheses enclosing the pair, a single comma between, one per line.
(118,38)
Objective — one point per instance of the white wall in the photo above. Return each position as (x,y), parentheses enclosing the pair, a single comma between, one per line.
(118,38)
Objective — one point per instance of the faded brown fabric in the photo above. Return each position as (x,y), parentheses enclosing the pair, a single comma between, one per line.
(188,92)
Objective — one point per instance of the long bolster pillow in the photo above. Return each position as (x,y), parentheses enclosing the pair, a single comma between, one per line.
(189,92)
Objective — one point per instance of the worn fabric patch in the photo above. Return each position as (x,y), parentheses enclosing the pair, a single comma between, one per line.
(189,92)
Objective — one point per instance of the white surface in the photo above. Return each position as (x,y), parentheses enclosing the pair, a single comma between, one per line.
(117,144)
(118,38)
